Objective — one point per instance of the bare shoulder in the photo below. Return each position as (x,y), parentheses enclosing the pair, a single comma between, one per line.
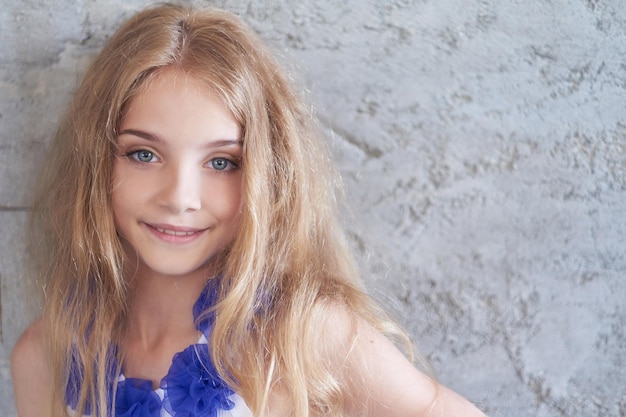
(380,380)
(31,373)
(29,351)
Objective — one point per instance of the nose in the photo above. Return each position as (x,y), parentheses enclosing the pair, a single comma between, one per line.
(180,189)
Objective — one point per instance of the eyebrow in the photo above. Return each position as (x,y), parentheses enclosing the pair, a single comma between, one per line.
(154,138)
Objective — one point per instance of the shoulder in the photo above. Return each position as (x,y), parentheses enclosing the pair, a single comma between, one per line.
(31,372)
(29,350)
(378,378)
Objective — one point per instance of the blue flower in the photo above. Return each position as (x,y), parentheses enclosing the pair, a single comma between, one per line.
(135,398)
(193,388)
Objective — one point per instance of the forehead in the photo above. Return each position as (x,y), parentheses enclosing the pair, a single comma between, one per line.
(176,104)
(233,94)
(169,77)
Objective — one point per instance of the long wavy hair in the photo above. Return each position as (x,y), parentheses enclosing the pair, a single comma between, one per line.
(288,263)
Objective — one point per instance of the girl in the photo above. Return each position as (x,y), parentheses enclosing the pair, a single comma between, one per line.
(188,245)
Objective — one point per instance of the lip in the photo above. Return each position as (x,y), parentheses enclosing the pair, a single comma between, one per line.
(174,234)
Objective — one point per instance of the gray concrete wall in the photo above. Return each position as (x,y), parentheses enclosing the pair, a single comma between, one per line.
(483,148)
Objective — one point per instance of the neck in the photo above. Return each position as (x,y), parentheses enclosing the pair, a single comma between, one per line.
(161,306)
(161,322)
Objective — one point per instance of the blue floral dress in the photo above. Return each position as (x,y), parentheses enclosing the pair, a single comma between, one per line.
(191,388)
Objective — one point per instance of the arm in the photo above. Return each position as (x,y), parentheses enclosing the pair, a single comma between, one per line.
(31,374)
(382,382)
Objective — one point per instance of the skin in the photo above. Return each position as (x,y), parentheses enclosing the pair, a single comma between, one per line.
(176,199)
(177,202)
(381,381)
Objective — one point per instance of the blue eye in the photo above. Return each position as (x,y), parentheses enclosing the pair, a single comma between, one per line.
(142,155)
(221,164)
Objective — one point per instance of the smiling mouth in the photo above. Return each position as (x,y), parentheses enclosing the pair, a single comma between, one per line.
(174,232)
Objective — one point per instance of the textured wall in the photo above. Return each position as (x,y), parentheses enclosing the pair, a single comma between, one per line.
(483,149)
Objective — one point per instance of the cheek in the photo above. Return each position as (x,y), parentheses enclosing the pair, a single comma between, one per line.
(236,200)
(226,198)
(122,195)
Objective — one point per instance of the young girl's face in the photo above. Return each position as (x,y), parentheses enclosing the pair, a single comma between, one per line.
(177,180)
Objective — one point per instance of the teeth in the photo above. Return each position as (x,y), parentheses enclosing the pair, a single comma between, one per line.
(174,232)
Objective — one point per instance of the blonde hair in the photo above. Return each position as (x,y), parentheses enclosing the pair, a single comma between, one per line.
(288,264)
